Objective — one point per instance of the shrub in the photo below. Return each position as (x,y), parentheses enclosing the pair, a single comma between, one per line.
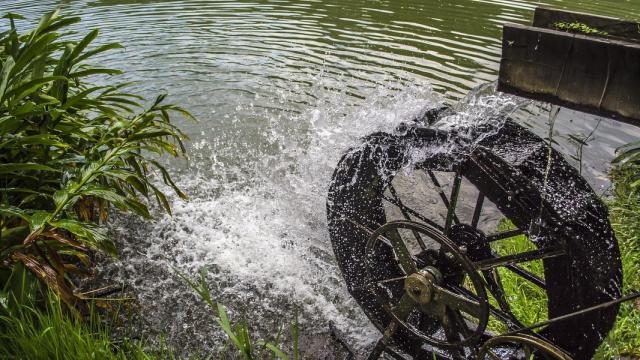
(69,152)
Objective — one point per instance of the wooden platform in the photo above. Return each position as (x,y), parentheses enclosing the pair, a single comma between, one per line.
(597,73)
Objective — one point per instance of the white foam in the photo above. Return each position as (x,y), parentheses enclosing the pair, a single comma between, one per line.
(259,224)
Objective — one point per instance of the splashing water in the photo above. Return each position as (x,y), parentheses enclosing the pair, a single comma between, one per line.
(263,237)
(481,113)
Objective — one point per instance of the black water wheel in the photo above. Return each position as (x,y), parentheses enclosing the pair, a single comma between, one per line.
(537,190)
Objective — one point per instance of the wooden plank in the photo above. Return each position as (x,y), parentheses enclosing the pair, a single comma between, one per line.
(599,76)
(615,28)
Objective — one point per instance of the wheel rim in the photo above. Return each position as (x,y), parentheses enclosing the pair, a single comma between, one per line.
(361,201)
(527,347)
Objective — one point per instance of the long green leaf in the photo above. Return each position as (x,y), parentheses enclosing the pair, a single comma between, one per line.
(223,321)
(15,167)
(9,124)
(59,24)
(79,48)
(279,353)
(15,212)
(34,51)
(98,50)
(7,66)
(95,71)
(30,87)
(89,233)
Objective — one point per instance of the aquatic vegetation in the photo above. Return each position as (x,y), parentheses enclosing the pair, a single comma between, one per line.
(239,334)
(70,151)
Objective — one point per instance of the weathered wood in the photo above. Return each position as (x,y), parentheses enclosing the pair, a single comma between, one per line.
(615,28)
(595,75)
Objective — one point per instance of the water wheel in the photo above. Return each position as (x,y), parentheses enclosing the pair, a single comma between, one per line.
(433,280)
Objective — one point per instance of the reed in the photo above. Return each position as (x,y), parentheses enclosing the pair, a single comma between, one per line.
(243,345)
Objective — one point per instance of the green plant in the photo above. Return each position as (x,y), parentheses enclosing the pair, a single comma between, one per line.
(47,332)
(527,302)
(239,334)
(579,28)
(623,341)
(628,161)
(70,150)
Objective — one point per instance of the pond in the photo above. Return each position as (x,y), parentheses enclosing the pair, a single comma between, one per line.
(281,89)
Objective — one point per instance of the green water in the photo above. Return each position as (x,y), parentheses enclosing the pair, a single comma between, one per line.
(218,57)
(212,53)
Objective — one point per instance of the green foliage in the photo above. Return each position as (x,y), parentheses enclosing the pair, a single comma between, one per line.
(579,27)
(32,333)
(239,335)
(527,301)
(71,150)
(628,161)
(623,341)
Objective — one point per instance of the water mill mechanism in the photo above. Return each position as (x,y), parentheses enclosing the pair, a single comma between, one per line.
(430,281)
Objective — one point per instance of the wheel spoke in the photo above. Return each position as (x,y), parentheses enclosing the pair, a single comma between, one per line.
(458,302)
(505,235)
(459,320)
(412,212)
(531,277)
(443,196)
(449,326)
(402,253)
(387,281)
(492,355)
(401,311)
(494,284)
(406,215)
(451,210)
(519,258)
(511,321)
(404,307)
(478,210)
(453,330)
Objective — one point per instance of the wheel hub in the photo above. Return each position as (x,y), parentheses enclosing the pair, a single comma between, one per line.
(420,285)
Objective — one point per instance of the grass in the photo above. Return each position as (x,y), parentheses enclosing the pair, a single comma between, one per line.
(244,346)
(522,295)
(623,342)
(49,332)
